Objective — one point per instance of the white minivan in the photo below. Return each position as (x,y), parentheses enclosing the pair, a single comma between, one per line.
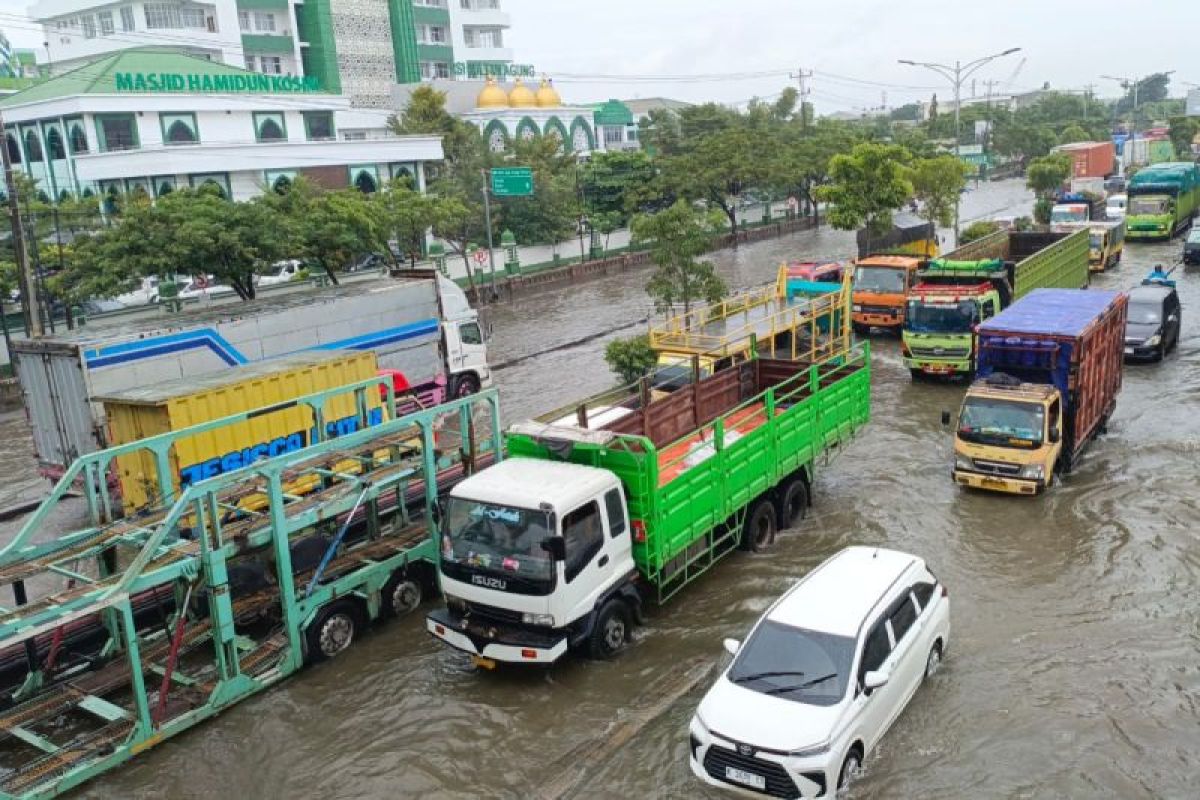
(822,676)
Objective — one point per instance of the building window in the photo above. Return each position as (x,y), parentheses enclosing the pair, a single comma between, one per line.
(483,37)
(179,128)
(271,65)
(270,127)
(250,63)
(116,132)
(318,125)
(614,134)
(434,69)
(218,181)
(14,149)
(365,182)
(480,5)
(264,21)
(162,15)
(106,23)
(244,21)
(191,17)
(78,139)
(54,145)
(88,23)
(430,3)
(431,34)
(126,18)
(33,147)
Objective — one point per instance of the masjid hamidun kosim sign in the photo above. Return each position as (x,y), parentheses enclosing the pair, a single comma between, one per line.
(203,82)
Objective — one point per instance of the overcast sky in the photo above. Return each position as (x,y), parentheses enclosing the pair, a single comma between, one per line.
(851,45)
(848,42)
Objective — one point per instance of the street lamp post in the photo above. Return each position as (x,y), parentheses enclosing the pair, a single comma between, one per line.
(956,74)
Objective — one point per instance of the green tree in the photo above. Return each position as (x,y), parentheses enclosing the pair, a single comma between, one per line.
(1074,133)
(676,237)
(630,358)
(800,158)
(1023,140)
(718,167)
(618,182)
(937,183)
(1150,89)
(867,186)
(406,216)
(1185,132)
(552,212)
(1047,174)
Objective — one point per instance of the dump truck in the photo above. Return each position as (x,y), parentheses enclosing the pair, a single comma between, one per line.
(1106,241)
(559,548)
(129,630)
(1074,207)
(976,282)
(1049,373)
(1163,199)
(776,320)
(886,269)
(420,324)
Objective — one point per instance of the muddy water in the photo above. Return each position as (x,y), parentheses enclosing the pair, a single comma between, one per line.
(1072,668)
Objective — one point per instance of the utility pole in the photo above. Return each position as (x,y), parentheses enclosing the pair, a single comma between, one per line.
(28,287)
(1087,99)
(956,75)
(801,75)
(487,212)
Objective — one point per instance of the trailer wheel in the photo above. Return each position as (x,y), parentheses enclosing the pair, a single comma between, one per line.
(759,532)
(611,632)
(794,504)
(331,632)
(401,595)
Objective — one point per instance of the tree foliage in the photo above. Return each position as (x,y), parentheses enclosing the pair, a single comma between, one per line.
(867,186)
(677,236)
(937,183)
(977,230)
(1047,174)
(630,358)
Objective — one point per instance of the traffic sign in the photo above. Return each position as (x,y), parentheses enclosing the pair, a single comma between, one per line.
(512,181)
(480,256)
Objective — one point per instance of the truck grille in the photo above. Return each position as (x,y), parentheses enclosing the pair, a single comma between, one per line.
(998,468)
(888,310)
(481,611)
(779,784)
(940,352)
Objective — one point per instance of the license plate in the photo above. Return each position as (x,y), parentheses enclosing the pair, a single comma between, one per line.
(1128,351)
(992,483)
(745,778)
(485,663)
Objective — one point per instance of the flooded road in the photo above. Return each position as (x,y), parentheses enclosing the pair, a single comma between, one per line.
(1073,664)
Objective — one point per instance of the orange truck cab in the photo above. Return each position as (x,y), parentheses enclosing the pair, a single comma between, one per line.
(879,289)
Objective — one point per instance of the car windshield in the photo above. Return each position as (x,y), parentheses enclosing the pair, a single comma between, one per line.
(1194,236)
(502,541)
(886,280)
(1145,313)
(797,664)
(925,317)
(1148,206)
(1003,423)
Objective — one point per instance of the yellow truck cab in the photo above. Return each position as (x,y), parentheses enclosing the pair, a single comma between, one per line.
(1009,436)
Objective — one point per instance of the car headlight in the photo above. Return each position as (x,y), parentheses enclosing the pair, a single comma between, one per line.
(1153,340)
(815,750)
(1033,472)
(538,619)
(962,462)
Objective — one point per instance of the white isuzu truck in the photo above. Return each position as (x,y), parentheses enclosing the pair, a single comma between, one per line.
(419,324)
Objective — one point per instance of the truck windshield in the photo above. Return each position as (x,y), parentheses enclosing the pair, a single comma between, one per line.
(797,664)
(484,540)
(1002,423)
(885,280)
(1068,214)
(1096,241)
(923,317)
(1148,206)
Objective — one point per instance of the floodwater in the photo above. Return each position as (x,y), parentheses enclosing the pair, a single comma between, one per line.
(1074,661)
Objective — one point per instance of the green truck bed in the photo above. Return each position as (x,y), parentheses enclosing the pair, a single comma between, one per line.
(693,461)
(1041,260)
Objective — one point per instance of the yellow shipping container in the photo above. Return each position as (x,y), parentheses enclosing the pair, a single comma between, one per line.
(173,405)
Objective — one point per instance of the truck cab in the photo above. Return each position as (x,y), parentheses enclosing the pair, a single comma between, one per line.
(465,340)
(1009,436)
(536,560)
(879,288)
(1069,212)
(939,325)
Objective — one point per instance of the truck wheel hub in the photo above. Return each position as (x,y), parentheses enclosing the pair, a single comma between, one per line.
(336,634)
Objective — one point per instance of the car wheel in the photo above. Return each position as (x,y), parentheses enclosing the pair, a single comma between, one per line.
(851,769)
(332,632)
(794,504)
(758,534)
(465,385)
(933,662)
(611,632)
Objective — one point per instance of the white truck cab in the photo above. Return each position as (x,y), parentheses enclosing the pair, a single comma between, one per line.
(466,342)
(536,560)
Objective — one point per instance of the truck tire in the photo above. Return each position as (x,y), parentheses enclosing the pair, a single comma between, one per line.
(860,329)
(915,373)
(758,534)
(611,631)
(332,631)
(464,386)
(401,595)
(793,503)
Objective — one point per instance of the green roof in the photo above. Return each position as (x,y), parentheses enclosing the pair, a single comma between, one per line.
(614,112)
(100,76)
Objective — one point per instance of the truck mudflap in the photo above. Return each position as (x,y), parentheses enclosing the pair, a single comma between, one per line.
(490,641)
(992,483)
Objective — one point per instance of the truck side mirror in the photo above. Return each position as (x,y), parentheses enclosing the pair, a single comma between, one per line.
(1054,436)
(945,419)
(556,546)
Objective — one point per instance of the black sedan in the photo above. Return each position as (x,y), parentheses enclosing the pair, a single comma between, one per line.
(1152,327)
